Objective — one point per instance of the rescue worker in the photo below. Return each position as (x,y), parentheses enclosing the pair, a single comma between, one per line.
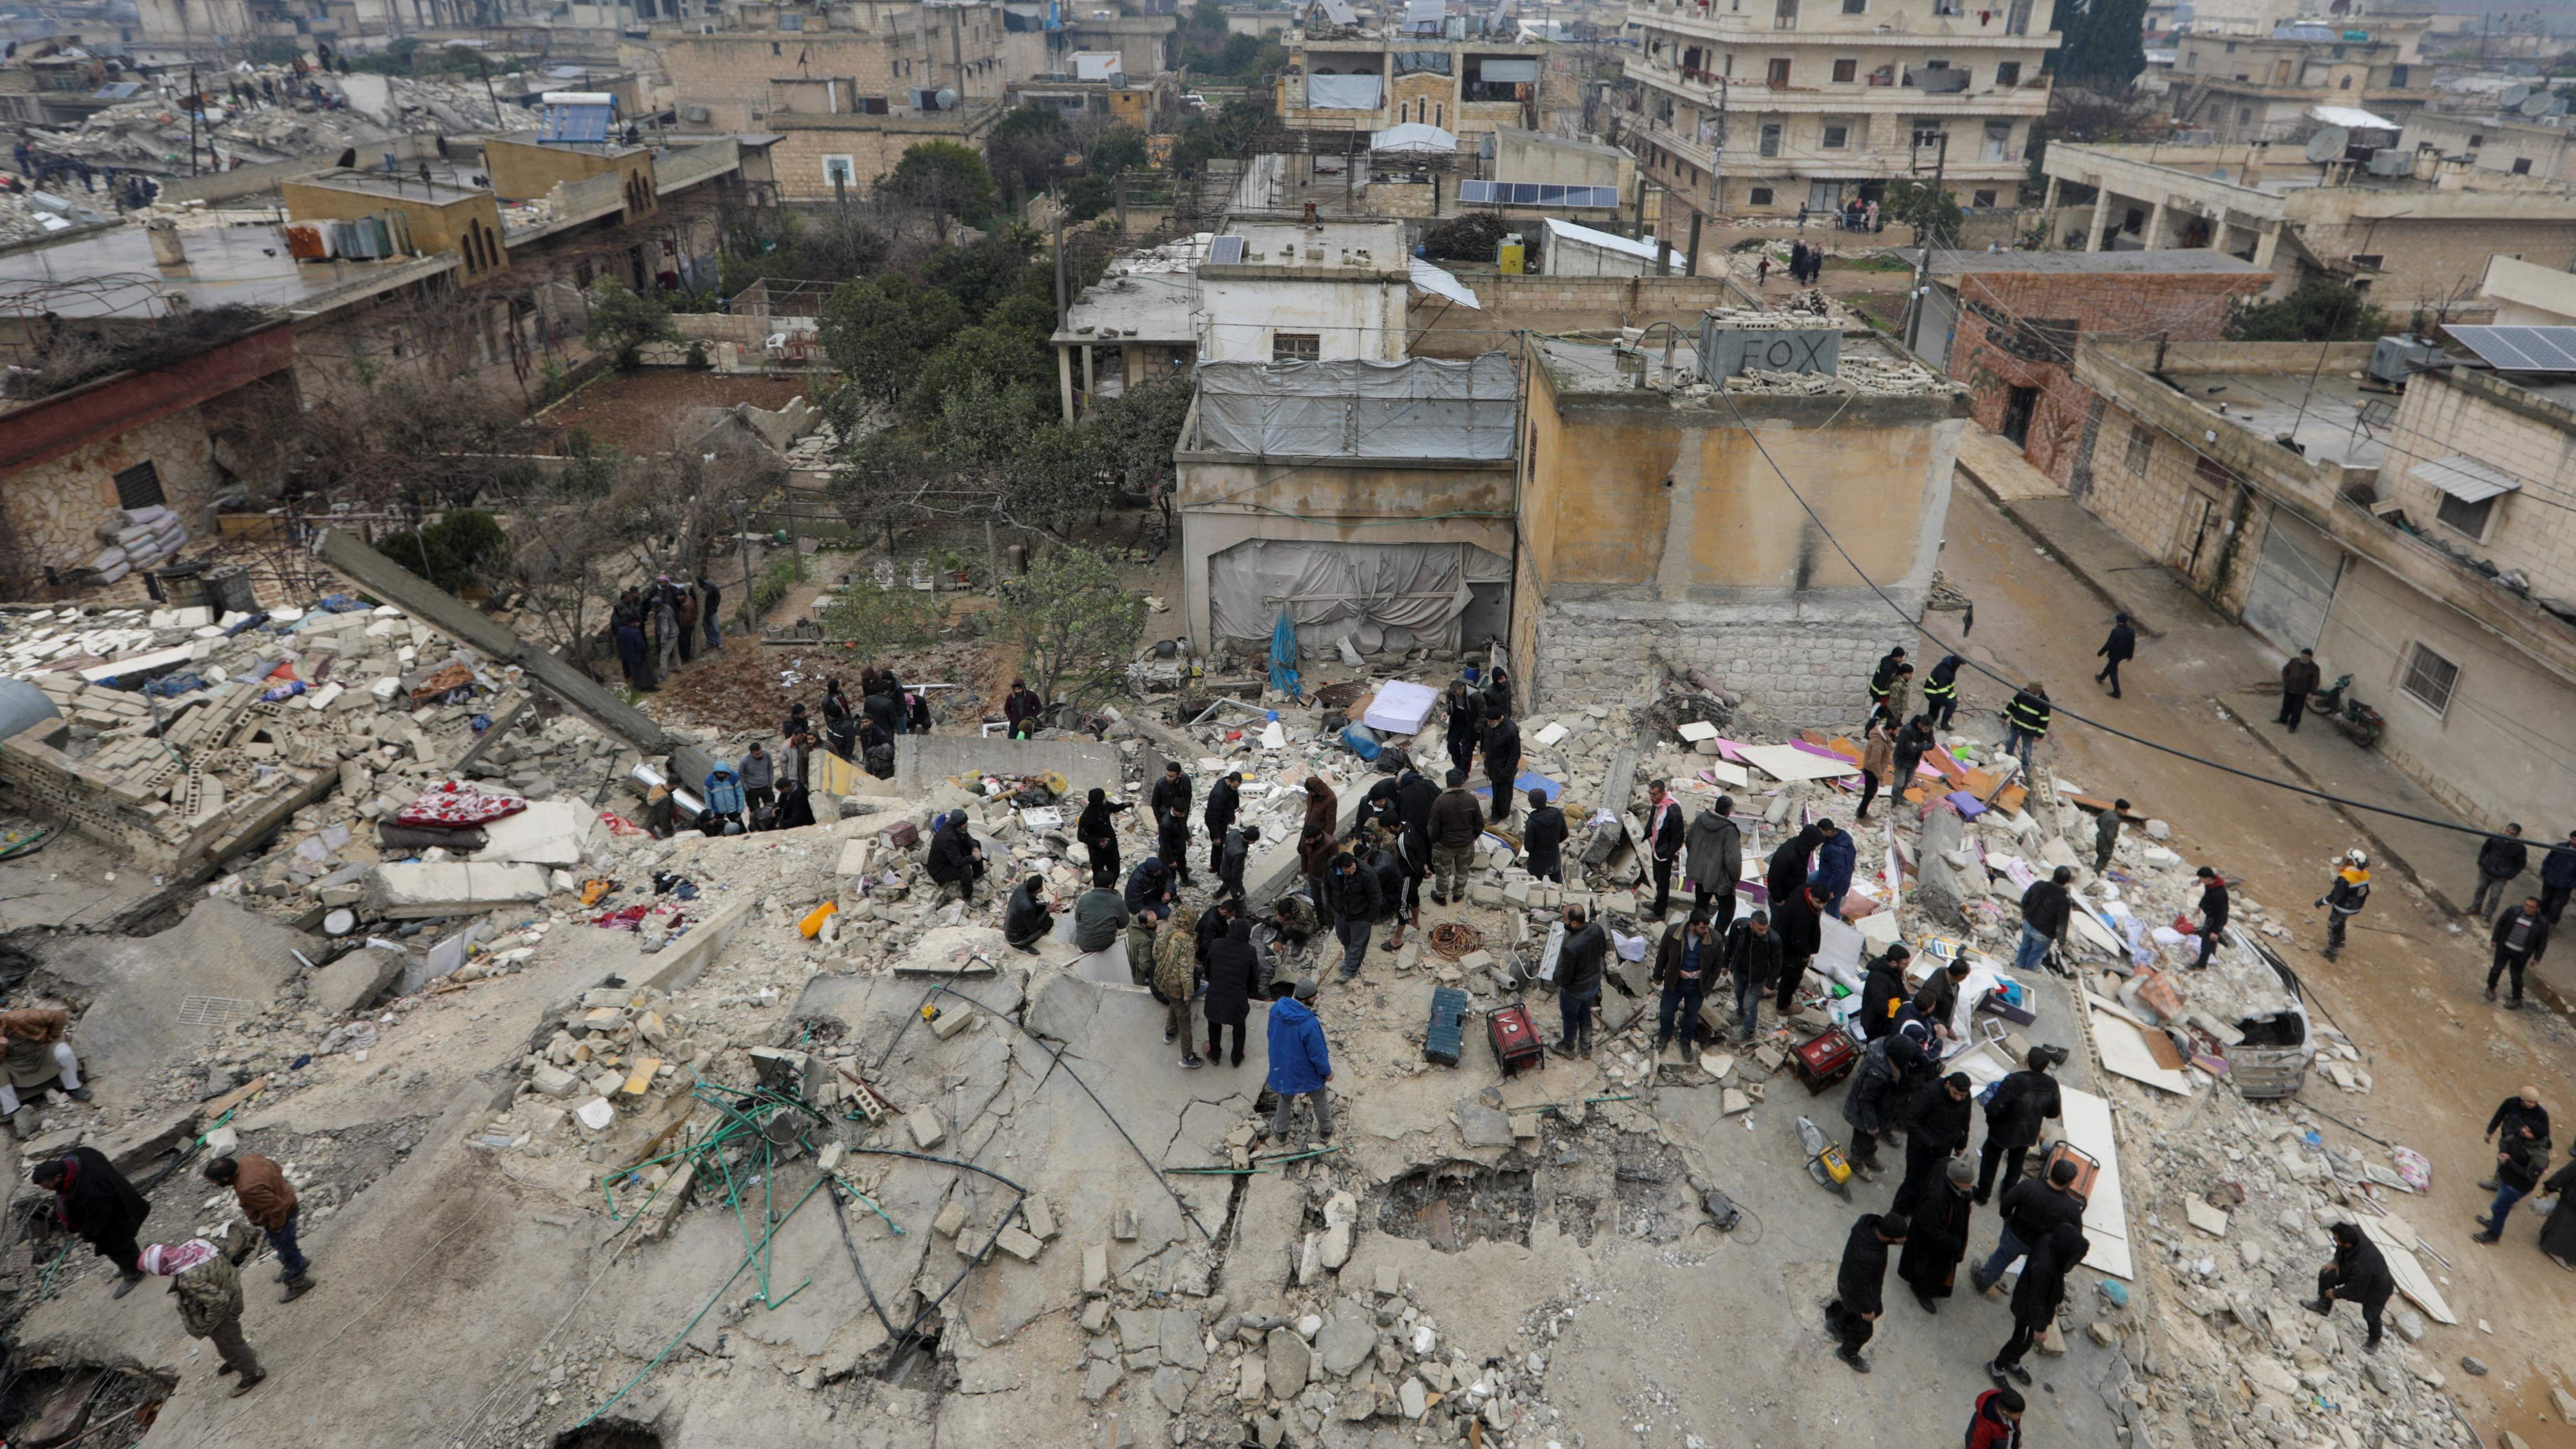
(1941,692)
(2026,722)
(2344,899)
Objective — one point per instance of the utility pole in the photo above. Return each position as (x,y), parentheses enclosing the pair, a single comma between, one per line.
(1060,302)
(1927,237)
(196,103)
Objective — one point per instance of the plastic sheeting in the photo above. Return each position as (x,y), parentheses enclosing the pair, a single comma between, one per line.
(1344,92)
(1418,408)
(1403,592)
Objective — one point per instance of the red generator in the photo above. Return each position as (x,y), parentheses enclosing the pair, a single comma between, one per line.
(1514,1040)
(1825,1059)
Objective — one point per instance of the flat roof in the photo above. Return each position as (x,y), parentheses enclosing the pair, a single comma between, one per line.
(1137,307)
(2322,414)
(234,265)
(2171,262)
(1868,365)
(394,185)
(1647,248)
(1562,143)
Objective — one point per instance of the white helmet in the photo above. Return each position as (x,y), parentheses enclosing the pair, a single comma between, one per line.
(2358,857)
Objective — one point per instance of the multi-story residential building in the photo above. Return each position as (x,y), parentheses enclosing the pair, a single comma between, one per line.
(2249,88)
(761,62)
(1772,105)
(2516,145)
(1339,79)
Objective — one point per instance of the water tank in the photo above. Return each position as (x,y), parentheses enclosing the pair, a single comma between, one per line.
(22,707)
(2395,357)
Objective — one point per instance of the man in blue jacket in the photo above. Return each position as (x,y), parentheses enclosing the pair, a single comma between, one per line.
(1836,854)
(724,803)
(1300,1063)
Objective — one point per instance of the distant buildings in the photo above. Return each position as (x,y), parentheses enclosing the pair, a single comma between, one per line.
(2262,88)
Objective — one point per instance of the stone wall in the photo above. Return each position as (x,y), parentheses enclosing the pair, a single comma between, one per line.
(1797,665)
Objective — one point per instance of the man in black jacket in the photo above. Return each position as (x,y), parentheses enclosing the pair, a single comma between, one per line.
(1799,923)
(2213,913)
(1169,805)
(1786,871)
(1543,839)
(1684,965)
(2558,878)
(2358,1274)
(1025,918)
(2520,937)
(956,862)
(1466,722)
(2117,650)
(1502,760)
(1853,1315)
(1353,895)
(1753,956)
(1098,834)
(1414,796)
(2037,1297)
(2021,1102)
(2045,909)
(95,1202)
(2500,859)
(2031,1210)
(1225,800)
(2522,1156)
(1937,1133)
(1882,991)
(1664,834)
(2515,1111)
(1578,979)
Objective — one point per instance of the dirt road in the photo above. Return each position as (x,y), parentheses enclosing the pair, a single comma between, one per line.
(2408,988)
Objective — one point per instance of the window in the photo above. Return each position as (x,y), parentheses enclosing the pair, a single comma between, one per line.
(2468,518)
(2244,115)
(2369,260)
(139,487)
(840,171)
(1759,196)
(791,22)
(2397,75)
(1784,14)
(2191,60)
(2430,678)
(1296,346)
(2345,84)
(2522,166)
(2008,73)
(2142,446)
(1837,136)
(1981,198)
(1846,71)
(1927,134)
(774,50)
(1771,138)
(1855,7)
(1777,71)
(2475,141)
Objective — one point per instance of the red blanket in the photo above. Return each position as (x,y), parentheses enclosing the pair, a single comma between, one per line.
(458,807)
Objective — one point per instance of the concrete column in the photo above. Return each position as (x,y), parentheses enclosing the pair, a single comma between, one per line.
(2048,215)
(2218,229)
(2101,214)
(2266,243)
(1064,379)
(2154,236)
(1087,393)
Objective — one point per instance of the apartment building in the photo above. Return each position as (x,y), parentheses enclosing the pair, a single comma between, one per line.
(1766,106)
(1343,80)
(2515,145)
(764,63)
(2250,88)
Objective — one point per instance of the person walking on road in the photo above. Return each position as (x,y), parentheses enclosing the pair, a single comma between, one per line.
(2558,877)
(2118,649)
(2213,912)
(1301,1064)
(2522,1156)
(2358,1274)
(2026,722)
(2501,858)
(1683,966)
(1860,1283)
(2021,1102)
(1877,767)
(1356,902)
(1578,980)
(2521,1109)
(2521,936)
(2299,679)
(2045,909)
(207,1284)
(2037,1296)
(1939,1237)
(2344,899)
(2106,835)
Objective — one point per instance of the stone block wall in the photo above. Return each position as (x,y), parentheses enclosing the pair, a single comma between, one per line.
(1797,664)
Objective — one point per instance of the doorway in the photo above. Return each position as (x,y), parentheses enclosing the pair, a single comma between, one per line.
(2019,404)
(2192,538)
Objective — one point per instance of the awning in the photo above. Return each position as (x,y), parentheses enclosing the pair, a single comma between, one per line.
(2352,118)
(1343,92)
(1503,70)
(1413,136)
(2464,478)
(1439,283)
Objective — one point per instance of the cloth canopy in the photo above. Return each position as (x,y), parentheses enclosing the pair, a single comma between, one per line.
(1385,593)
(1419,408)
(1344,92)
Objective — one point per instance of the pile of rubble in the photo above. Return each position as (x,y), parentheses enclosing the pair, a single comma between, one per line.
(153,134)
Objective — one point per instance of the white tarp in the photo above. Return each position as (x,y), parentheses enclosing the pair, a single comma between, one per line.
(1413,136)
(2352,118)
(1440,284)
(1498,71)
(1421,407)
(1344,92)
(1402,707)
(1389,595)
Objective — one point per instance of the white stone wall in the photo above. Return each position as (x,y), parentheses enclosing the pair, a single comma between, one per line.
(1796,665)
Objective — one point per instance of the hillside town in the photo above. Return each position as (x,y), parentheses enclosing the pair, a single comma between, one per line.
(1350,724)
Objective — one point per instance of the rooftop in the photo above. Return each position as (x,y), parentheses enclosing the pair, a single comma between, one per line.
(2323,414)
(1139,307)
(1563,143)
(111,273)
(2156,263)
(394,186)
(1366,248)
(1868,365)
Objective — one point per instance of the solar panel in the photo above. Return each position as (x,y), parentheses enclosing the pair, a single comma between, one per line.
(574,124)
(2521,349)
(1475,191)
(1226,251)
(1537,193)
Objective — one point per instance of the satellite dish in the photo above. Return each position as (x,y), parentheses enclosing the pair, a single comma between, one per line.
(2539,105)
(2557,106)
(947,98)
(2328,144)
(2514,95)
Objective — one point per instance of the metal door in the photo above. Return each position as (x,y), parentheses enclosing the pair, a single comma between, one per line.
(1488,618)
(2191,541)
(2294,582)
(2019,404)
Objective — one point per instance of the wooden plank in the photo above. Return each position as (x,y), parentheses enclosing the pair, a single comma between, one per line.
(2087,1120)
(1789,763)
(2129,1051)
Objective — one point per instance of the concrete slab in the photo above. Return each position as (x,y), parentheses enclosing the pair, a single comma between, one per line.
(138,987)
(921,762)
(556,833)
(451,888)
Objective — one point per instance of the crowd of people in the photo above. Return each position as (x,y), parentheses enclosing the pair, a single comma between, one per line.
(766,791)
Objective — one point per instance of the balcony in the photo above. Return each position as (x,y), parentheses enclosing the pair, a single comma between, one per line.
(1867,94)
(1772,26)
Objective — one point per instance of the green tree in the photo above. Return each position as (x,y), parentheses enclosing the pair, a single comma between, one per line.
(989,354)
(466,547)
(1227,131)
(622,321)
(981,275)
(878,332)
(1138,429)
(1933,212)
(2320,311)
(1115,149)
(1073,621)
(947,178)
(2105,43)
(1027,148)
